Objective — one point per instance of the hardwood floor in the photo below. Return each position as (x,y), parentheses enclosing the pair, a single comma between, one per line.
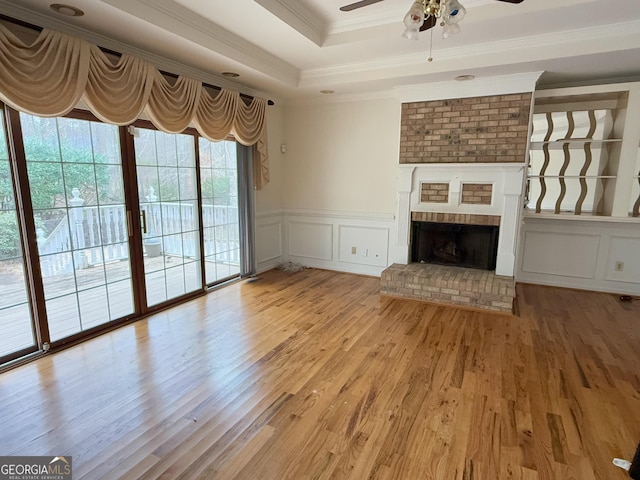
(314,375)
(99,301)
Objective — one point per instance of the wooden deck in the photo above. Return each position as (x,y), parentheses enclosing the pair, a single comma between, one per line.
(97,302)
(314,375)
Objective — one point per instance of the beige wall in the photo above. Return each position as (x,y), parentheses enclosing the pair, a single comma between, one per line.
(341,156)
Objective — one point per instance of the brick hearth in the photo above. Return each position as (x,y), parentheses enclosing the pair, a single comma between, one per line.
(450,285)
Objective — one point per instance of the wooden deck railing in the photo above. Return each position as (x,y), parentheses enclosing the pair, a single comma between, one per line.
(98,234)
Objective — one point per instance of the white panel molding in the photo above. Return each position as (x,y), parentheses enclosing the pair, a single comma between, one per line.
(624,248)
(618,240)
(560,254)
(269,240)
(269,214)
(371,245)
(367,216)
(308,239)
(269,246)
(367,231)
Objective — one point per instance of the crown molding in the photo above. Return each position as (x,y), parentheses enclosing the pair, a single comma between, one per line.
(570,43)
(162,63)
(181,21)
(480,87)
(298,17)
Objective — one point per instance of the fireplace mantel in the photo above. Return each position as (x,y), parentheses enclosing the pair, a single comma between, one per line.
(507,186)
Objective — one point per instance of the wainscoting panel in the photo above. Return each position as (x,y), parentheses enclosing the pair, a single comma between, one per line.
(363,245)
(590,254)
(326,239)
(623,259)
(310,240)
(552,253)
(269,240)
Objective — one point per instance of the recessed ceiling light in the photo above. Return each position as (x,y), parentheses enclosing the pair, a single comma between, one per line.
(327,92)
(464,78)
(230,74)
(67,10)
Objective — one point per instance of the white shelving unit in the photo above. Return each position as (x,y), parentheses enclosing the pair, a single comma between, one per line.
(581,223)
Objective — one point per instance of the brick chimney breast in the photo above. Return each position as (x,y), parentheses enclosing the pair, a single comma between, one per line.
(492,129)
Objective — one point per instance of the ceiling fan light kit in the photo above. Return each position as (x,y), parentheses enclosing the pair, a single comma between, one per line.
(424,14)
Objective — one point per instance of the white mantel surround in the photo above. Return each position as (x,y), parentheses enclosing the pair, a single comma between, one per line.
(508,186)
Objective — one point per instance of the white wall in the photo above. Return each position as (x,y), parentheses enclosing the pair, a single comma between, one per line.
(337,182)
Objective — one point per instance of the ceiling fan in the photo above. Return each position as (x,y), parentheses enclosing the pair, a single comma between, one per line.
(366,3)
(431,11)
(426,14)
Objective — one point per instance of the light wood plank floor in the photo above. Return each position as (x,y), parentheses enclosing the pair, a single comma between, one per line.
(314,375)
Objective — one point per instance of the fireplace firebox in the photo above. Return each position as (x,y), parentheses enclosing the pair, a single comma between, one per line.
(471,246)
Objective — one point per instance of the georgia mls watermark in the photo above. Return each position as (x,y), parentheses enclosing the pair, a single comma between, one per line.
(35,468)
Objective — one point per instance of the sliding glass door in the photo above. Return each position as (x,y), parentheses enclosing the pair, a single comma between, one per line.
(220,213)
(168,197)
(119,222)
(16,324)
(76,183)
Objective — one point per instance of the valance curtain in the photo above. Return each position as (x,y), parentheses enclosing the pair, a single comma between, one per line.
(52,74)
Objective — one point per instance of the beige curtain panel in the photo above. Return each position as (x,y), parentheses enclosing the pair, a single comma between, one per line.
(52,74)
(118,92)
(45,78)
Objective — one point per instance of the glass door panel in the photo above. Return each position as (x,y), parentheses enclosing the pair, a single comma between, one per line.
(75,176)
(167,189)
(219,177)
(16,326)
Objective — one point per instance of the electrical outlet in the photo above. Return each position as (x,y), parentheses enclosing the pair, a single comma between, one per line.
(619,266)
(353,250)
(365,252)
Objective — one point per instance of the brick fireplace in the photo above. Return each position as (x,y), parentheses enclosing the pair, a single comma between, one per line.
(461,163)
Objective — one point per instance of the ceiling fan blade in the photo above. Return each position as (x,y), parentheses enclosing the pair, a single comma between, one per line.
(430,22)
(511,1)
(362,3)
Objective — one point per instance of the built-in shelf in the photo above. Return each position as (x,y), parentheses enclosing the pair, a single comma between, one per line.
(581,154)
(574,143)
(570,216)
(605,177)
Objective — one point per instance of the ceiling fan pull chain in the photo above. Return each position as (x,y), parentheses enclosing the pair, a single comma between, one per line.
(430,59)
